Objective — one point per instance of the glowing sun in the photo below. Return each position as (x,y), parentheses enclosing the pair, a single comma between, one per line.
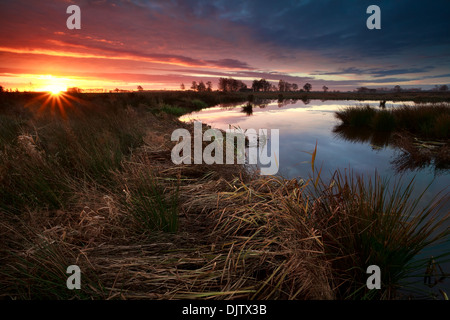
(55,89)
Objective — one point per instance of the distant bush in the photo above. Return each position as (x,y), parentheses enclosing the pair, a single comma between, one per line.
(198,104)
(356,116)
(174,110)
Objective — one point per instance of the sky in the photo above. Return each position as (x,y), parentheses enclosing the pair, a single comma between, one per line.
(160,44)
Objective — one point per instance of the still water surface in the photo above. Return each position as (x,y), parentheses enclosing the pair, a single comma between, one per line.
(302,124)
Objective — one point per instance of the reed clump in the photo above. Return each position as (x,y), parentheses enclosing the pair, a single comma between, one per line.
(421,132)
(424,120)
(372,221)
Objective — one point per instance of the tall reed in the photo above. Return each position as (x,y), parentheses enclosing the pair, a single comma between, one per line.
(369,221)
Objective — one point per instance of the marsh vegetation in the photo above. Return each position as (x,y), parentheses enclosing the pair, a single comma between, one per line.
(95,186)
(421,132)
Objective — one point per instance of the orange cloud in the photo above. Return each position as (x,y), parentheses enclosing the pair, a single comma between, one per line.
(171,61)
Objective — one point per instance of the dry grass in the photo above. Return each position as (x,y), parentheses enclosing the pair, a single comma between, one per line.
(238,236)
(234,240)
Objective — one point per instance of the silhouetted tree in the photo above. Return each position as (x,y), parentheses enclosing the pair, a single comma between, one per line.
(1,88)
(261,85)
(182,87)
(235,85)
(266,86)
(397,88)
(209,86)
(294,86)
(284,86)
(222,84)
(194,85)
(443,88)
(325,88)
(201,87)
(231,85)
(140,88)
(307,87)
(256,85)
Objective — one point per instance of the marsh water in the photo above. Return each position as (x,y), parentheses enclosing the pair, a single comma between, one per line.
(302,124)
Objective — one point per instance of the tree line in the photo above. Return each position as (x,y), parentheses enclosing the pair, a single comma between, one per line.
(261,85)
(397,89)
(2,89)
(200,87)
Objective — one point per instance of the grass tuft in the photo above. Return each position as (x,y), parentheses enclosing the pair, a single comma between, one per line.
(370,222)
(153,206)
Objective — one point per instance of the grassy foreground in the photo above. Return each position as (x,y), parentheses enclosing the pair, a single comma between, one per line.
(91,183)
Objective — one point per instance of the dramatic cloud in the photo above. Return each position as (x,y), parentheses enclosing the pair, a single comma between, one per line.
(376,72)
(161,43)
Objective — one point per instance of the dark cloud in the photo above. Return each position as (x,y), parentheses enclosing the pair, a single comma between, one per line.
(230,63)
(376,72)
(329,25)
(254,38)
